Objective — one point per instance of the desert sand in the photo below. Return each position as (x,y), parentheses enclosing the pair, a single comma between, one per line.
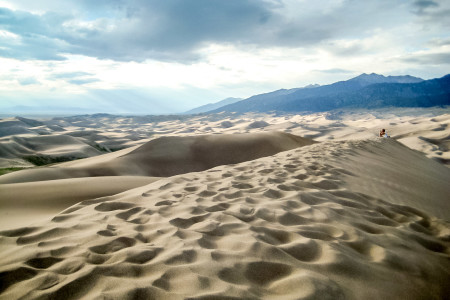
(69,138)
(264,207)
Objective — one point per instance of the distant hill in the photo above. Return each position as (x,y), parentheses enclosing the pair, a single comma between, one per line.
(367,79)
(213,106)
(363,91)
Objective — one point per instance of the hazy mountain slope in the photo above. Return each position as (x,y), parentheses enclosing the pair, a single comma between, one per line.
(213,106)
(320,98)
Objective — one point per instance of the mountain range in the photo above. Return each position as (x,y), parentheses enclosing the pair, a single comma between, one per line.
(213,106)
(364,91)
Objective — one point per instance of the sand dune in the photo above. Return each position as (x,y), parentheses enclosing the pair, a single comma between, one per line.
(176,155)
(32,201)
(288,226)
(173,155)
(63,138)
(400,176)
(422,129)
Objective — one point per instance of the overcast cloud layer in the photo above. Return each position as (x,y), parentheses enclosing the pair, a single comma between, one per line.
(168,56)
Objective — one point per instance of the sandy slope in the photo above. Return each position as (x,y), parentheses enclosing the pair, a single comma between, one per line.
(168,156)
(289,226)
(34,194)
(24,203)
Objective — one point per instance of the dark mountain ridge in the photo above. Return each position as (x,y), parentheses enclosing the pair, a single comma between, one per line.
(363,91)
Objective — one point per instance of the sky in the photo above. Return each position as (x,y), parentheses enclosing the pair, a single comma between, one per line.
(158,57)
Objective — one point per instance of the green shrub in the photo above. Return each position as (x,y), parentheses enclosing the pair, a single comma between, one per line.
(9,170)
(42,160)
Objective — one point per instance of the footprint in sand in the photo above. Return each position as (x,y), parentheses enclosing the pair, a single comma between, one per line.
(188,222)
(185,257)
(305,251)
(273,236)
(367,228)
(164,202)
(19,231)
(43,236)
(127,214)
(274,194)
(110,206)
(142,256)
(218,207)
(114,246)
(43,262)
(368,250)
(191,188)
(260,273)
(9,278)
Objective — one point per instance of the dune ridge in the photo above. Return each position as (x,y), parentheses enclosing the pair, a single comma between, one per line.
(284,226)
(423,129)
(167,156)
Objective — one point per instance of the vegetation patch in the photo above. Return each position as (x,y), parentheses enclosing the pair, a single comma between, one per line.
(42,160)
(9,170)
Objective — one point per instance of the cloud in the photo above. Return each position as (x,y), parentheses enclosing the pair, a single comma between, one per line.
(439,42)
(433,13)
(77,78)
(34,36)
(422,5)
(68,75)
(176,30)
(336,71)
(429,59)
(168,30)
(27,81)
(83,81)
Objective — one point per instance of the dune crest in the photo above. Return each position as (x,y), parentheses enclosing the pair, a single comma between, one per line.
(167,156)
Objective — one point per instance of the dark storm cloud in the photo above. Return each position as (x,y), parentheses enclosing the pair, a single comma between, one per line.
(422,5)
(439,42)
(429,59)
(175,30)
(37,35)
(433,13)
(136,31)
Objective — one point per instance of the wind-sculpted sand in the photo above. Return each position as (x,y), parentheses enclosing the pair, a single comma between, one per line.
(169,156)
(24,142)
(35,194)
(288,226)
